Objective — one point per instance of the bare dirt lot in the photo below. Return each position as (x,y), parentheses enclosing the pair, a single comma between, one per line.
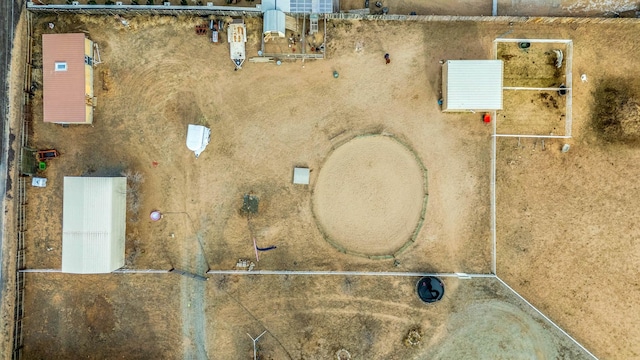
(265,120)
(98,317)
(566,222)
(313,318)
(158,76)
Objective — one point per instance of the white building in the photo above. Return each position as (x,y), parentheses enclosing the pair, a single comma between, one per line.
(274,23)
(472,85)
(93,224)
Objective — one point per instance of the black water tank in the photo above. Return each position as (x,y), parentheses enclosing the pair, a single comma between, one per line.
(430,289)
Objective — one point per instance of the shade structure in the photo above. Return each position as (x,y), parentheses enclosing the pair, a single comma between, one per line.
(274,23)
(472,85)
(93,224)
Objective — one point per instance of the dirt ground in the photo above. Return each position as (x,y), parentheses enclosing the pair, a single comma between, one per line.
(567,222)
(98,317)
(264,121)
(158,76)
(314,317)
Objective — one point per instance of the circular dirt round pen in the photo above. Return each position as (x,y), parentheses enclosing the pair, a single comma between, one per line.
(370,197)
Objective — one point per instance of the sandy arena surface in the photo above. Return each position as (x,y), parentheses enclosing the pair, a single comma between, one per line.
(158,76)
(370,195)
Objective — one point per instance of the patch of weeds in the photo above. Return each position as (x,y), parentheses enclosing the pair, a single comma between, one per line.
(616,114)
(413,337)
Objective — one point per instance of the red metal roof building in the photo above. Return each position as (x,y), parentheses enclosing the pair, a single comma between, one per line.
(67,68)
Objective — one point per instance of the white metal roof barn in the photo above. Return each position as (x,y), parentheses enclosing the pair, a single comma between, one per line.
(93,224)
(300,6)
(274,23)
(472,85)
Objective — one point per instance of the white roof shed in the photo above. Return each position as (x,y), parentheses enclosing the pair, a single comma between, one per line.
(472,85)
(93,224)
(299,6)
(274,23)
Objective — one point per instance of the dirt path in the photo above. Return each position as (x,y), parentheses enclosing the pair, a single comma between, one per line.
(194,319)
(192,290)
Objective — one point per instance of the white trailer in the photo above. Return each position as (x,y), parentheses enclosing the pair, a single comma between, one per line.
(237,37)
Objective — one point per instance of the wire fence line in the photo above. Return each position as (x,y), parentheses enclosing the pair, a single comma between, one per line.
(146,10)
(546,318)
(346,273)
(254,11)
(21,199)
(493,19)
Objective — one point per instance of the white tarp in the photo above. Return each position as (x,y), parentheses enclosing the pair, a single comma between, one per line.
(198,138)
(93,224)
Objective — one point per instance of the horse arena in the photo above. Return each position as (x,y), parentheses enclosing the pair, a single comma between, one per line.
(518,229)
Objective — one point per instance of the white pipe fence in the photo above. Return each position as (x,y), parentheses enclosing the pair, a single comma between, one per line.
(493,197)
(346,273)
(535,88)
(119,271)
(547,318)
(533,136)
(568,85)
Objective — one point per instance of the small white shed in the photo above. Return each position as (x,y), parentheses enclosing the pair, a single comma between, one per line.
(301,175)
(472,85)
(93,224)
